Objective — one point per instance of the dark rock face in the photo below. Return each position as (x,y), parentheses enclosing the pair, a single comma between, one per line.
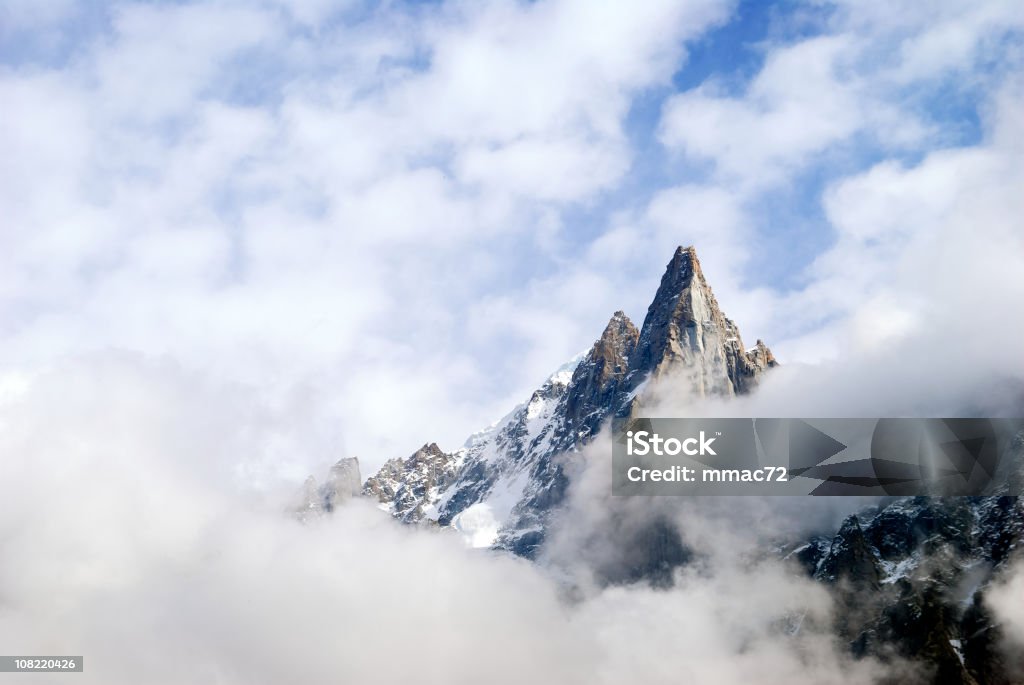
(849,557)
(648,553)
(910,577)
(595,382)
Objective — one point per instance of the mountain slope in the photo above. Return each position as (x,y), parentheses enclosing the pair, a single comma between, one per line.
(502,486)
(910,579)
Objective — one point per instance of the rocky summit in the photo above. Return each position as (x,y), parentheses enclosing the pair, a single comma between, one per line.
(501,488)
(686,334)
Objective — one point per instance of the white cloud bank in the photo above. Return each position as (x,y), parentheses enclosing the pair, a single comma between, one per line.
(125,540)
(369,212)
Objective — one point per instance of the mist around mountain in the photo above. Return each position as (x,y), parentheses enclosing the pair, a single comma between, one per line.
(502,485)
(910,580)
(127,539)
(251,251)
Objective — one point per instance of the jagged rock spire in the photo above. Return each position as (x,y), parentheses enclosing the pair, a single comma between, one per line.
(405,483)
(686,333)
(344,481)
(596,380)
(676,305)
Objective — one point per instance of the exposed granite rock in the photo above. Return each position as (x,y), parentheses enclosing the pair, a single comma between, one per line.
(850,557)
(408,487)
(343,483)
(686,336)
(595,382)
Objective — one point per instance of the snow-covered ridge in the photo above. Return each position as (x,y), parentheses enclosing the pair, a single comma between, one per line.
(536,406)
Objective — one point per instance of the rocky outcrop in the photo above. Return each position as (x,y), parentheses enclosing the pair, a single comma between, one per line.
(409,487)
(343,482)
(909,578)
(595,382)
(311,503)
(492,471)
(849,558)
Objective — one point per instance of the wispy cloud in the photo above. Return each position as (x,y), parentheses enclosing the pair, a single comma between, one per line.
(135,551)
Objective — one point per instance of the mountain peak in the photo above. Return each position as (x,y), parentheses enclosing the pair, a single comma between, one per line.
(685,339)
(429,450)
(761,356)
(596,379)
(689,252)
(344,481)
(686,332)
(618,326)
(682,268)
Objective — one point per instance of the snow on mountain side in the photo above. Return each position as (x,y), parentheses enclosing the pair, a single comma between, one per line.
(490,470)
(502,486)
(910,577)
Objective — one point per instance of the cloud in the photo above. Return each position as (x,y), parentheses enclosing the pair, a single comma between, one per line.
(797,106)
(854,86)
(277,193)
(128,540)
(183,48)
(448,201)
(242,241)
(1004,600)
(932,42)
(26,14)
(567,170)
(929,246)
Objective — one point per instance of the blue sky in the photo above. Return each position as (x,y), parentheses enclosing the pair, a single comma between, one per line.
(364,211)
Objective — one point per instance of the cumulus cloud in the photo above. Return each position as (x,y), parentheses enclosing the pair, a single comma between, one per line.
(795,107)
(847,84)
(295,195)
